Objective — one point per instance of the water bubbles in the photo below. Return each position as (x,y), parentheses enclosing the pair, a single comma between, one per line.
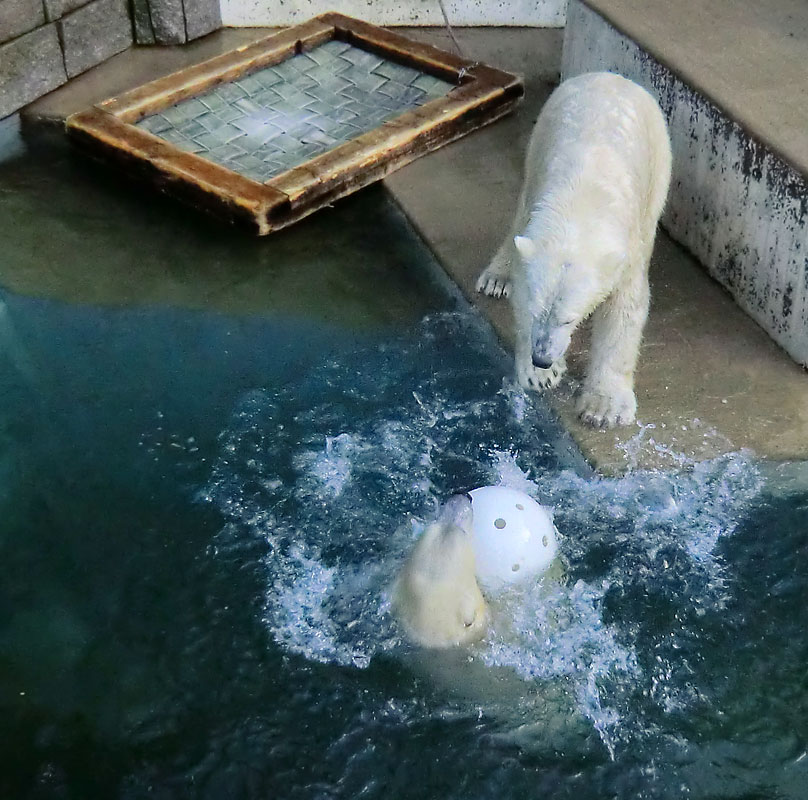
(329,470)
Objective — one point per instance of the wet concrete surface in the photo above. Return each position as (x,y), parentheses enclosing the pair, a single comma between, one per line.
(709,379)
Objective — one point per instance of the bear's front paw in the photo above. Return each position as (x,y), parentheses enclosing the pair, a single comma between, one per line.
(494,281)
(538,380)
(607,410)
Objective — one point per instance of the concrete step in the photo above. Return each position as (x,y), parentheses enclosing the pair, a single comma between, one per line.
(730,77)
(709,381)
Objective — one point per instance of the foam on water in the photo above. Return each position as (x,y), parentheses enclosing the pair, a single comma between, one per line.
(649,536)
(337,486)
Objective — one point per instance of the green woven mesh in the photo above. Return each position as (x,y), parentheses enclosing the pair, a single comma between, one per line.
(274,119)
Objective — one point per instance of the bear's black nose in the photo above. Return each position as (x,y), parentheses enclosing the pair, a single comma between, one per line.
(541,362)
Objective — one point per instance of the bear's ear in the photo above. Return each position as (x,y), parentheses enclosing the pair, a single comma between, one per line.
(525,246)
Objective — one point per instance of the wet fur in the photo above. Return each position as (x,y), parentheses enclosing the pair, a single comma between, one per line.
(436,597)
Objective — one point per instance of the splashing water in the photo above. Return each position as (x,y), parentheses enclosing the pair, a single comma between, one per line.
(339,491)
(243,646)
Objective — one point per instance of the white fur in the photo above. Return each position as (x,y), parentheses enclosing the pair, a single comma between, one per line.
(596,179)
(436,596)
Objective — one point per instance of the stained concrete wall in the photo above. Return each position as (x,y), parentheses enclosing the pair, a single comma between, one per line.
(538,13)
(737,206)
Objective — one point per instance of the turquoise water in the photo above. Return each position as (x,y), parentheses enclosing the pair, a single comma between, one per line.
(216,452)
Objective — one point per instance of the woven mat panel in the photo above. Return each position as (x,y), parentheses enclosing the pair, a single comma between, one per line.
(279,117)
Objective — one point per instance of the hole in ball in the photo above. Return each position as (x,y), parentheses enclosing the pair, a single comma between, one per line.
(499,523)
(544,540)
(520,506)
(515,568)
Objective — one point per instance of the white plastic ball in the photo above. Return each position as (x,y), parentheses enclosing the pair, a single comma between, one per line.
(513,536)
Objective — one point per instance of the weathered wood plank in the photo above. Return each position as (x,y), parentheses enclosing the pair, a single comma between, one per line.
(484,75)
(186,175)
(385,42)
(164,92)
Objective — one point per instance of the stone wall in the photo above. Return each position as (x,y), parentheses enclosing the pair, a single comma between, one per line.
(44,43)
(174,21)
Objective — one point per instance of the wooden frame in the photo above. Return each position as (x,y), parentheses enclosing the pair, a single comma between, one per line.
(481,94)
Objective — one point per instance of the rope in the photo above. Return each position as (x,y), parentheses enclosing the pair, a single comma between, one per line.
(449,30)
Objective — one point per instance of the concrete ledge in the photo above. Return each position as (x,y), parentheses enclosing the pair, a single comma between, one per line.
(736,202)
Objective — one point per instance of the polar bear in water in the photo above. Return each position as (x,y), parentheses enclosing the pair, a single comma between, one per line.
(439,604)
(436,596)
(596,178)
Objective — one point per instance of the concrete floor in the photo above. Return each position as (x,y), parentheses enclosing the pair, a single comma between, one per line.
(709,380)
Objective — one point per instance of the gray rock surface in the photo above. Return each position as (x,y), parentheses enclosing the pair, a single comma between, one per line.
(30,66)
(168,21)
(202,17)
(141,19)
(18,17)
(56,9)
(94,33)
(174,21)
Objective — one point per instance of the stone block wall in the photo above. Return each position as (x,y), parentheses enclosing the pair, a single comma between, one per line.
(174,21)
(43,43)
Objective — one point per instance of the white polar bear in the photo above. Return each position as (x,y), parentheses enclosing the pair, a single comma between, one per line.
(436,596)
(596,179)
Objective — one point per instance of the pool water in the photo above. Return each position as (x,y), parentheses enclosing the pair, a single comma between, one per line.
(216,452)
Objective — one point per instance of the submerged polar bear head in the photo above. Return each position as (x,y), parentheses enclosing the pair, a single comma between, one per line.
(436,596)
(564,282)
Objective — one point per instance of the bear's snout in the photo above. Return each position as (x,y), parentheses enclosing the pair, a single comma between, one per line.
(458,511)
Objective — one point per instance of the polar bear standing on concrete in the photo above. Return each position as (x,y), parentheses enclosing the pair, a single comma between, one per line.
(596,179)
